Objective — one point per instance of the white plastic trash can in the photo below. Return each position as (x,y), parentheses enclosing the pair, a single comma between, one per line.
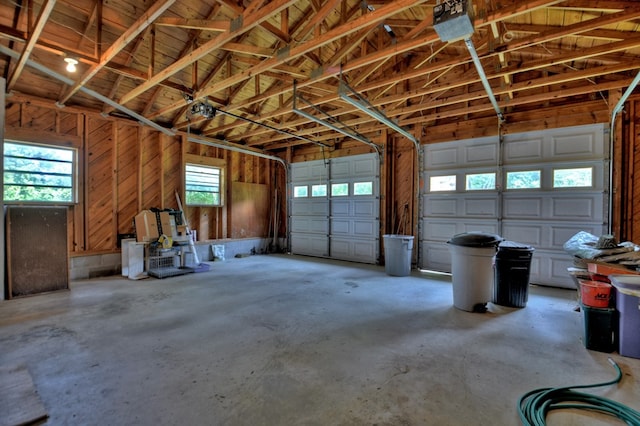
(397,254)
(472,269)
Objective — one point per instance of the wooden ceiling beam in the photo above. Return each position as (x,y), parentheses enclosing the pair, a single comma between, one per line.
(195,24)
(43,16)
(250,19)
(141,23)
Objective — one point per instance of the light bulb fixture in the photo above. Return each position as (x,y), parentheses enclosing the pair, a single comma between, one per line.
(71,64)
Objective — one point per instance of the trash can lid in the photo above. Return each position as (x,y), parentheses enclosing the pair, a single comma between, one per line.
(475,239)
(513,245)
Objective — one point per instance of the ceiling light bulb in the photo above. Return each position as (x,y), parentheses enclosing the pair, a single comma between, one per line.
(71,64)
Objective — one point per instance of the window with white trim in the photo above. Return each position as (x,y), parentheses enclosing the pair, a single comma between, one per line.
(480,181)
(339,189)
(36,173)
(442,183)
(363,188)
(203,185)
(300,191)
(579,177)
(319,190)
(526,179)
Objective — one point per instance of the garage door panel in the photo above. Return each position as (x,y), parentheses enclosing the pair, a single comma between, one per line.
(311,245)
(580,145)
(309,207)
(310,225)
(439,230)
(357,228)
(562,233)
(481,154)
(435,256)
(587,207)
(440,205)
(524,151)
(312,171)
(445,156)
(523,207)
(340,207)
(486,206)
(366,207)
(358,250)
(531,233)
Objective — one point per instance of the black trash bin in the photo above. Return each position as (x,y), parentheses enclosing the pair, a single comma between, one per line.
(512,272)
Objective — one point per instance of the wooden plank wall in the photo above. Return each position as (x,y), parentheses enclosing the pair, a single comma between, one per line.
(626,194)
(124,168)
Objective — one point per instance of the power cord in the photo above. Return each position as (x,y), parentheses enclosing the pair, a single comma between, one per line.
(534,406)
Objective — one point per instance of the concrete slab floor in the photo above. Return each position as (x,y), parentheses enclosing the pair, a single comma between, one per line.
(290,340)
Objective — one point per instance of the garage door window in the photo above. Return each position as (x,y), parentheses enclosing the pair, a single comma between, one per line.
(39,173)
(523,179)
(442,183)
(300,191)
(363,188)
(339,189)
(318,190)
(481,181)
(573,178)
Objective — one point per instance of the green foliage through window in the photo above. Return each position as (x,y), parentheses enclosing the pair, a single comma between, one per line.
(363,188)
(523,180)
(481,181)
(318,190)
(572,178)
(202,185)
(38,173)
(339,189)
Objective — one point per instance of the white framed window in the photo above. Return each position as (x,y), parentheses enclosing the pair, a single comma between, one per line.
(37,173)
(528,179)
(300,191)
(339,189)
(480,181)
(442,183)
(363,188)
(319,190)
(203,185)
(580,177)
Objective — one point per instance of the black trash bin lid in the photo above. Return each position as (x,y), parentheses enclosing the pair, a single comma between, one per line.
(475,239)
(514,246)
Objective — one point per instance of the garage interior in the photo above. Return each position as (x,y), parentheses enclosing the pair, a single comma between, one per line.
(325,126)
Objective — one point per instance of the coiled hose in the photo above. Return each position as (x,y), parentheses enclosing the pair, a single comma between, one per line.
(534,406)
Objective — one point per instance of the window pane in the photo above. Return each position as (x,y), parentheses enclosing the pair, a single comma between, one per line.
(481,181)
(442,183)
(523,180)
(339,189)
(363,188)
(319,190)
(202,185)
(300,191)
(572,178)
(38,173)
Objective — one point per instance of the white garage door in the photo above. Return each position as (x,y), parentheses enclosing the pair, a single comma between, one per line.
(538,188)
(335,208)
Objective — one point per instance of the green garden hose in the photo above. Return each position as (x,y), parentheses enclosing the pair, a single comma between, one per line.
(534,406)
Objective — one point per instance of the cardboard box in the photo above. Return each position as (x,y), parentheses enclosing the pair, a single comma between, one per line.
(146,226)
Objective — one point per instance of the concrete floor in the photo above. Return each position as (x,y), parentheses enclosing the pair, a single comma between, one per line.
(289,340)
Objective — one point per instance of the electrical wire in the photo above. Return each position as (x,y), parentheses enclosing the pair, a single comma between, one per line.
(534,405)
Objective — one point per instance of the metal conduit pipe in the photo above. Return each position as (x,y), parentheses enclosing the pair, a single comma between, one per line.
(89,92)
(614,113)
(232,147)
(483,77)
